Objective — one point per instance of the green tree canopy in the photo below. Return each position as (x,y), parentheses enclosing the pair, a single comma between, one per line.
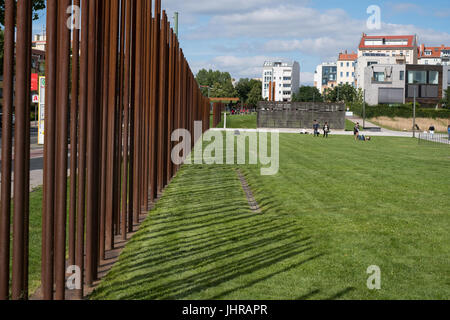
(210,78)
(343,92)
(255,94)
(245,86)
(307,94)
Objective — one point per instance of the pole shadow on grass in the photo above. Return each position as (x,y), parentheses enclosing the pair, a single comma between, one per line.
(207,244)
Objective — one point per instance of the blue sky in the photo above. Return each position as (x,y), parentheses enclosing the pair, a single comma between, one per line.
(238,35)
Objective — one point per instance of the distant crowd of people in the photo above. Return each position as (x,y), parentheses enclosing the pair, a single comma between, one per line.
(242,111)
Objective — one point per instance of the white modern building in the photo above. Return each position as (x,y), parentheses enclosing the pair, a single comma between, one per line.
(285,76)
(325,76)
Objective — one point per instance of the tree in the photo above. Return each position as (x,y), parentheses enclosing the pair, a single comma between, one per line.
(343,92)
(37,5)
(226,90)
(255,95)
(209,78)
(307,94)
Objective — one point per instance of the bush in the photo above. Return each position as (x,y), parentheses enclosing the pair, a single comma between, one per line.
(401,111)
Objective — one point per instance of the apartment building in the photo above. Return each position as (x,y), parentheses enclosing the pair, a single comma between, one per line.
(346,65)
(434,55)
(283,78)
(325,76)
(386,50)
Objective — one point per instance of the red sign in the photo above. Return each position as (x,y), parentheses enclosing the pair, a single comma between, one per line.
(34,82)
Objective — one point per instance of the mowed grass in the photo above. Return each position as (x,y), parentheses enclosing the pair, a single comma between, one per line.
(335,208)
(35,240)
(245,121)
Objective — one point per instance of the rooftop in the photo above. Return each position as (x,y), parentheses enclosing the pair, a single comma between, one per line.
(432,52)
(348,56)
(387,42)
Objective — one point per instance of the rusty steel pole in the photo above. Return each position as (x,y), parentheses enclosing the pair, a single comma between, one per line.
(8,104)
(21,175)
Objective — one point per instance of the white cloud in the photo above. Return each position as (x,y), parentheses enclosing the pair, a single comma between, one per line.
(245,33)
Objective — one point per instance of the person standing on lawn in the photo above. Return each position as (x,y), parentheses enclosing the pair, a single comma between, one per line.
(356,131)
(326,130)
(432,130)
(316,127)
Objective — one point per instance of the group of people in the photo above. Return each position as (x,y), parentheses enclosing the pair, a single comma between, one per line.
(358,135)
(326,129)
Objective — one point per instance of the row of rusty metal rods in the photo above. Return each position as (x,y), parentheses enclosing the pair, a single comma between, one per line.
(218,108)
(108,122)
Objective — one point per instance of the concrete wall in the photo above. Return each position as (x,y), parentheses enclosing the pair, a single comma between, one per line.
(300,115)
(372,87)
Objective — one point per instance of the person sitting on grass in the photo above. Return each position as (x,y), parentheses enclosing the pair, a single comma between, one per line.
(364,138)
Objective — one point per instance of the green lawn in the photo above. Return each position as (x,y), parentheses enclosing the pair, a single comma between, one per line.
(349,125)
(335,208)
(247,121)
(35,240)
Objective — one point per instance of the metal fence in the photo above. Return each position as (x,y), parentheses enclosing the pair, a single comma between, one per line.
(434,139)
(130,87)
(218,108)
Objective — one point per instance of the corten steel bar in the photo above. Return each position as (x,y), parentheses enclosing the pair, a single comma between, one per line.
(162,103)
(154,105)
(80,220)
(145,145)
(8,92)
(126,119)
(112,105)
(137,115)
(105,71)
(21,174)
(49,153)
(92,201)
(62,97)
(74,140)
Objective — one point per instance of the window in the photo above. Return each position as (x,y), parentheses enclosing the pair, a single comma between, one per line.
(353,74)
(402,75)
(433,77)
(342,74)
(342,64)
(286,78)
(348,74)
(417,77)
(348,64)
(370,63)
(378,76)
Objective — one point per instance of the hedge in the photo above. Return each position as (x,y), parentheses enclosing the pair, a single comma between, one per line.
(400,111)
